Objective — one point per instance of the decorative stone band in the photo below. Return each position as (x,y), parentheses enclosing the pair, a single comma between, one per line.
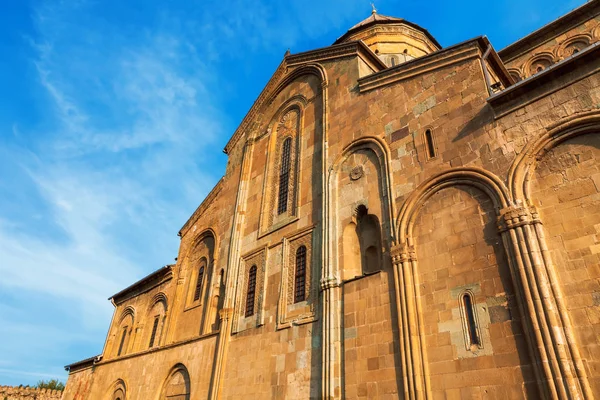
(403,253)
(517,215)
(329,282)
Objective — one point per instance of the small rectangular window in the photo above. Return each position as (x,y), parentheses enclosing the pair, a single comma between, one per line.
(122,341)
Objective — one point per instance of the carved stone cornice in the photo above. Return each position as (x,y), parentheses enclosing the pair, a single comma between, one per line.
(517,215)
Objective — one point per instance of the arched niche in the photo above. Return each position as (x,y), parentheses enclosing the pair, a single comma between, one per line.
(156,320)
(123,331)
(360,196)
(118,391)
(177,385)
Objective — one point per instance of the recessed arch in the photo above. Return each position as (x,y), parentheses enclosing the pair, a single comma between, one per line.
(471,176)
(379,149)
(127,311)
(539,62)
(573,45)
(520,173)
(177,384)
(159,297)
(117,391)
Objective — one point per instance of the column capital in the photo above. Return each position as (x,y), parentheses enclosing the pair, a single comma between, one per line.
(517,215)
(403,252)
(329,282)
(225,314)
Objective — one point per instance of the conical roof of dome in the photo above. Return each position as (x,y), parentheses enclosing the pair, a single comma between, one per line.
(376,18)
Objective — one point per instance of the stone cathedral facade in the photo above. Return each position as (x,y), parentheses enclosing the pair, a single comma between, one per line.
(396,220)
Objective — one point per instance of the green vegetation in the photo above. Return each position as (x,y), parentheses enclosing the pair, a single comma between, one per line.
(53,384)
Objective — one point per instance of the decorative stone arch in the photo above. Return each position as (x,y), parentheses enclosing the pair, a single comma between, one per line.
(520,173)
(543,60)
(117,391)
(578,43)
(516,74)
(411,326)
(566,372)
(177,385)
(156,317)
(382,152)
(307,69)
(292,108)
(127,319)
(469,176)
(596,32)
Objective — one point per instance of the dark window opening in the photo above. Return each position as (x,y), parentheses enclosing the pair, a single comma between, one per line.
(154,328)
(471,324)
(429,143)
(393,61)
(284,176)
(250,294)
(122,341)
(300,281)
(199,282)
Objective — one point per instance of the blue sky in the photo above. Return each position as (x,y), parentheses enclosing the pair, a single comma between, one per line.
(113,117)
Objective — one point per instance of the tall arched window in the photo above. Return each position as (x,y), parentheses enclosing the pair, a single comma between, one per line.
(284,175)
(300,278)
(198,290)
(471,323)
(251,293)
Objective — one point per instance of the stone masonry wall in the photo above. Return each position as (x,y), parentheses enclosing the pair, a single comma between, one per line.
(27,393)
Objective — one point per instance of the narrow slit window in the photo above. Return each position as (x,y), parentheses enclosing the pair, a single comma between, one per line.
(471,324)
(429,143)
(198,290)
(154,328)
(123,335)
(284,176)
(393,61)
(250,294)
(300,278)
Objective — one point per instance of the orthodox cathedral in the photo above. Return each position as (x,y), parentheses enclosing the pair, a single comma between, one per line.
(397,219)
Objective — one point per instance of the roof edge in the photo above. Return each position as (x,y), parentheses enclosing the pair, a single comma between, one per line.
(562,24)
(88,362)
(142,281)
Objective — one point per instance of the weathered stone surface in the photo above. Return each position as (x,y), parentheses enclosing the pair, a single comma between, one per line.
(389,263)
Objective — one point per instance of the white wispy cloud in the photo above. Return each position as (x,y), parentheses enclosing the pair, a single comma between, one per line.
(132,131)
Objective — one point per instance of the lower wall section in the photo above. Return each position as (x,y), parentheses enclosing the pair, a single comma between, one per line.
(149,375)
(371,359)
